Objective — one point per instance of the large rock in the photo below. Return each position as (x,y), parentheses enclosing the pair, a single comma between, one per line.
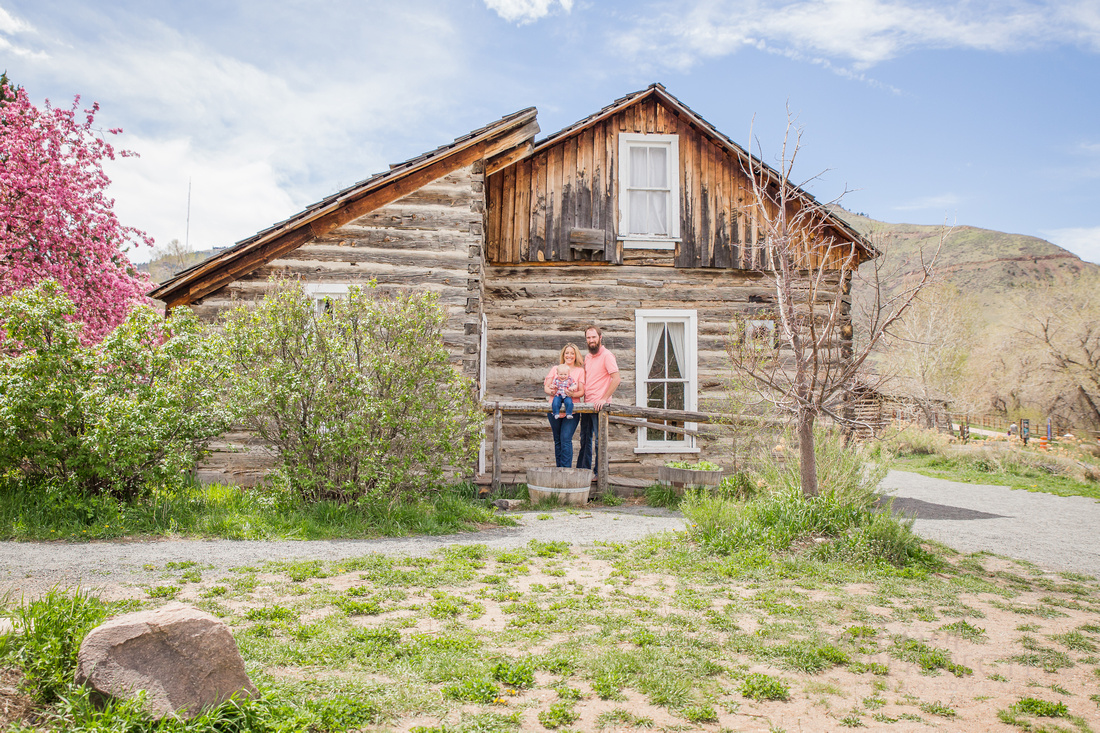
(184,659)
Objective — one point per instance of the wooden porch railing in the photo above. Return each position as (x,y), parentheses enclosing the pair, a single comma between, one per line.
(641,417)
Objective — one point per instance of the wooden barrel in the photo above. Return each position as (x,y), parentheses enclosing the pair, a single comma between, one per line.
(686,478)
(568,485)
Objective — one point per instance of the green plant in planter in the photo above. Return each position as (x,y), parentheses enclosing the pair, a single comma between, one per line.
(700,466)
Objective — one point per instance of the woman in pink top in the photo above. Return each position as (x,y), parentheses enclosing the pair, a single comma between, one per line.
(563,429)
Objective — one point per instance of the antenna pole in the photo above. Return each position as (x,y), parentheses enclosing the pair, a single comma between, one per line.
(187,230)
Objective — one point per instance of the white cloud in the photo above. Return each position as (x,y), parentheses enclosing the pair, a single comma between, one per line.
(1081,241)
(526,11)
(261,136)
(862,33)
(11,25)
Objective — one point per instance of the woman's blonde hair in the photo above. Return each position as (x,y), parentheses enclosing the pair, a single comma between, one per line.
(580,357)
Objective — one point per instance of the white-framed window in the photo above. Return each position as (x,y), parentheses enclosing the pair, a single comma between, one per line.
(649,191)
(323,294)
(666,365)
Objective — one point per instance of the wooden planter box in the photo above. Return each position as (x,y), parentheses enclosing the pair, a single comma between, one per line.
(686,478)
(569,485)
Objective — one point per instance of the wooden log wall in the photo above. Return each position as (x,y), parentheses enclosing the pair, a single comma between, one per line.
(534,311)
(573,184)
(429,240)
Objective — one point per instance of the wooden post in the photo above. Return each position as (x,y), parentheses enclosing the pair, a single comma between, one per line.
(603,480)
(497,430)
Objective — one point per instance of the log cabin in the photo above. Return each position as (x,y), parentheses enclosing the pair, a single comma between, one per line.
(638,218)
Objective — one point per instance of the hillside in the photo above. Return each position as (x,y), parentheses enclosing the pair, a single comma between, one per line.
(996,269)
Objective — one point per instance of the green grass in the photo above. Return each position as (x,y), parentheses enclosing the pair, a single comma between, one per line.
(29,513)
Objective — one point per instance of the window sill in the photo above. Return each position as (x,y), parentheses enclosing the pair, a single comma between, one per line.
(656,243)
(651,448)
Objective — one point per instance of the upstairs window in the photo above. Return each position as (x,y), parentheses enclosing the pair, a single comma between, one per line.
(649,191)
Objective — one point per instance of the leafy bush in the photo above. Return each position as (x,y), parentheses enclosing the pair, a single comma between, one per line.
(359,401)
(111,418)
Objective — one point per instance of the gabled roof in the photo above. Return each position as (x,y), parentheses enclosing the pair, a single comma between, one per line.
(498,138)
(748,160)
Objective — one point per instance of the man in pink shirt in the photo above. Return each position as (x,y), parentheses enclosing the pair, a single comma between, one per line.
(601,379)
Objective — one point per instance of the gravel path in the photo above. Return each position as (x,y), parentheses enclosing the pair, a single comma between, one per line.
(1051,531)
(1058,532)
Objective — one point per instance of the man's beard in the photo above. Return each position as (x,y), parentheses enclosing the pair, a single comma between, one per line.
(593,349)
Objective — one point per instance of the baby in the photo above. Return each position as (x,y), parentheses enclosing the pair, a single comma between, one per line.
(562,385)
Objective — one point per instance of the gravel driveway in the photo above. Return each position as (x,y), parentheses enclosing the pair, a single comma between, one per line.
(1052,531)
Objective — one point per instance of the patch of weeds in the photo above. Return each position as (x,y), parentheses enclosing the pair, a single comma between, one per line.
(874,702)
(872,667)
(180,565)
(167,592)
(610,498)
(515,673)
(528,613)
(938,708)
(1095,699)
(1076,641)
(965,630)
(1050,660)
(854,719)
(929,658)
(759,686)
(700,714)
(299,570)
(343,712)
(559,714)
(1028,628)
(357,607)
(569,693)
(472,690)
(997,677)
(544,517)
(51,629)
(660,495)
(623,717)
(861,632)
(548,549)
(274,612)
(809,657)
(643,637)
(191,576)
(883,718)
(215,591)
(1032,707)
(666,686)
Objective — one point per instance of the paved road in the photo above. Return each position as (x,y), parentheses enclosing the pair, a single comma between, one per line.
(1058,532)
(1052,531)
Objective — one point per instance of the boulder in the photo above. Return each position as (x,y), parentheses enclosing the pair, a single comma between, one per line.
(183,658)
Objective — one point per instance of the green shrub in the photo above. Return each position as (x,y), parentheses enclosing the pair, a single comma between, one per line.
(112,418)
(660,495)
(358,397)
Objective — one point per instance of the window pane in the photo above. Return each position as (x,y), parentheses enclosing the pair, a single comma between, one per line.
(656,394)
(638,167)
(675,399)
(658,167)
(657,219)
(657,366)
(637,212)
(674,371)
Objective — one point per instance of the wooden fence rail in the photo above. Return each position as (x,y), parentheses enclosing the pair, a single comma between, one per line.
(611,412)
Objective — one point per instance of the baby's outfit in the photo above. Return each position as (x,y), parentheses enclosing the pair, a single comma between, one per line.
(561,387)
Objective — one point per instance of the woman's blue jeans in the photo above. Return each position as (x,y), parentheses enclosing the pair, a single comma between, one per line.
(563,439)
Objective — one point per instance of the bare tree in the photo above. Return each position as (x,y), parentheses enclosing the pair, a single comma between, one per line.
(1064,325)
(927,350)
(799,352)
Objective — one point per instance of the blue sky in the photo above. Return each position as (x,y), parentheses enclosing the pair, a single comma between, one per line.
(980,113)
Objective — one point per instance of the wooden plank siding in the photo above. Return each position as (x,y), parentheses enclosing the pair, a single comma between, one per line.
(573,184)
(532,312)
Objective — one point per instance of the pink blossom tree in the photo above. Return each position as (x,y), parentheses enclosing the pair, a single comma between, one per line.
(56,221)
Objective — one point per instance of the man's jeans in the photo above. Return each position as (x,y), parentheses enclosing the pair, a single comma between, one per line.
(589,437)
